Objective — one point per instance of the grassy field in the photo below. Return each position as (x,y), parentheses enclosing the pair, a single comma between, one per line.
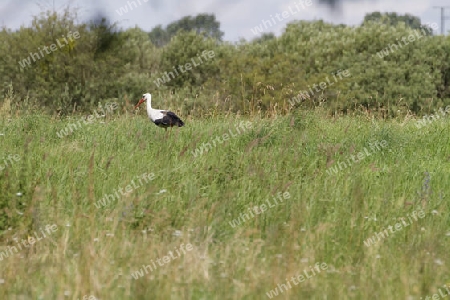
(177,223)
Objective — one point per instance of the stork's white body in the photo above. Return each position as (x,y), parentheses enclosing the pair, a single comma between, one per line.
(154,114)
(162,118)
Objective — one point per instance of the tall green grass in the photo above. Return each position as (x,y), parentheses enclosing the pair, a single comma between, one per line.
(193,200)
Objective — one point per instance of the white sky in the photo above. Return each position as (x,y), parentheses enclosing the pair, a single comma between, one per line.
(237,17)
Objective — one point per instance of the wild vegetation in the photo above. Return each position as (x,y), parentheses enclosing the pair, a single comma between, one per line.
(108,206)
(111,250)
(107,63)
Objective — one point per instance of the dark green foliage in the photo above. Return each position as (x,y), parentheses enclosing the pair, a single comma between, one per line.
(159,36)
(264,75)
(188,48)
(204,24)
(106,37)
(393,19)
(264,38)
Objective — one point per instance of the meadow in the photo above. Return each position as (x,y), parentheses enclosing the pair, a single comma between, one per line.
(303,171)
(316,235)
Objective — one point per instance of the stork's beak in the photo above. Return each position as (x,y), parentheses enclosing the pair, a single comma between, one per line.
(139,103)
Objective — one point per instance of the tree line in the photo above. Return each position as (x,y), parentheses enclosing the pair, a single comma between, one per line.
(396,64)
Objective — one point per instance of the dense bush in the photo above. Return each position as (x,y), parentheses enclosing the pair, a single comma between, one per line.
(262,75)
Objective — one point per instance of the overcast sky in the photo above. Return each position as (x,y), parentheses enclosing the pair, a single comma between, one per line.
(237,17)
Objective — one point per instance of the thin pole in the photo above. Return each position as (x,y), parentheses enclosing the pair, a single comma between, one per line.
(443,17)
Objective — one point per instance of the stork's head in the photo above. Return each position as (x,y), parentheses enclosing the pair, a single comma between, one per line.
(145,97)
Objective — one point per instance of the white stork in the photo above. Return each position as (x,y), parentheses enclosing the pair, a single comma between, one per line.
(162,118)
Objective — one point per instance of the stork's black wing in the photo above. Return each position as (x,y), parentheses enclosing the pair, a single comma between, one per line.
(171,119)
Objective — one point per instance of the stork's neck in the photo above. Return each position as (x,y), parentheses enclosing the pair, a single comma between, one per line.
(149,106)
